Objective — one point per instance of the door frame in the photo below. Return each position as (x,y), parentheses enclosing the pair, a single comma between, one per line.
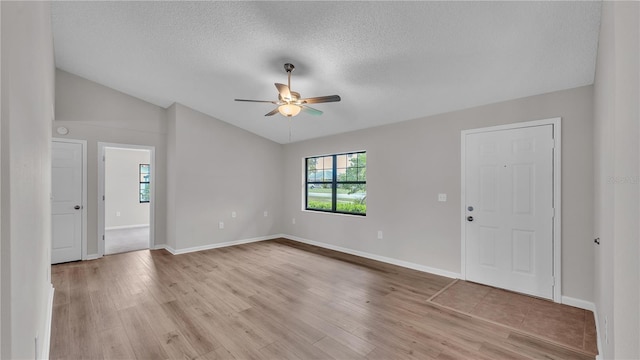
(101,187)
(557,196)
(83,232)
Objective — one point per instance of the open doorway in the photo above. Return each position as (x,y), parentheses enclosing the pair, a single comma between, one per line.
(126,182)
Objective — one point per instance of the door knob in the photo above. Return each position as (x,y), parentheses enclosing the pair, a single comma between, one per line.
(469,218)
(77,207)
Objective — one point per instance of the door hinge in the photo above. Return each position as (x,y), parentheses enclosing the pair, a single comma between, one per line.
(103,158)
(102,237)
(102,197)
(553,281)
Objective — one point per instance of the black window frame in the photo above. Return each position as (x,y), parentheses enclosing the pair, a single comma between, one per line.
(334,183)
(144,182)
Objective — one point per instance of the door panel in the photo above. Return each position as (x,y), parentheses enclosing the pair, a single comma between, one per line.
(66,191)
(509,186)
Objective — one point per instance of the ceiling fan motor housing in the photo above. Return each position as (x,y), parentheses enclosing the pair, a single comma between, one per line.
(294,97)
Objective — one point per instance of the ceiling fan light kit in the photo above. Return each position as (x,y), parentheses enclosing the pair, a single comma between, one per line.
(289,110)
(290,103)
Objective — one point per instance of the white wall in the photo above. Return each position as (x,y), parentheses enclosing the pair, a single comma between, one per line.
(409,163)
(215,168)
(122,206)
(96,113)
(205,168)
(617,180)
(25,179)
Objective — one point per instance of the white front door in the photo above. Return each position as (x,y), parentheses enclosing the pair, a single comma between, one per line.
(509,209)
(66,205)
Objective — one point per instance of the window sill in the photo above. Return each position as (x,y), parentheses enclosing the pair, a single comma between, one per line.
(334,213)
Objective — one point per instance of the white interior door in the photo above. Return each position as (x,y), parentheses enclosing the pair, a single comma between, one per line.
(66,208)
(509,209)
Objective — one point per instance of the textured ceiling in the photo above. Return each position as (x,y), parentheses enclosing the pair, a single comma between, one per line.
(389,61)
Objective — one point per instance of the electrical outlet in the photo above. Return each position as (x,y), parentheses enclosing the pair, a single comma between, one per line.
(117,213)
(293,221)
(442,197)
(221,225)
(266,214)
(233,214)
(379,234)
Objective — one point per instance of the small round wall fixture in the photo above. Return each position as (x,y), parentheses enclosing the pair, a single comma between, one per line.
(62,130)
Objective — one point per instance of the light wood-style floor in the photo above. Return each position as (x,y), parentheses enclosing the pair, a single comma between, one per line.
(269,300)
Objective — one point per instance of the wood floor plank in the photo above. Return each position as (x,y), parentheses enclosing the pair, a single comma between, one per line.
(177,346)
(337,350)
(355,343)
(60,332)
(302,349)
(142,339)
(230,338)
(116,344)
(275,350)
(60,282)
(282,324)
(218,354)
(105,312)
(83,333)
(266,300)
(166,331)
(188,325)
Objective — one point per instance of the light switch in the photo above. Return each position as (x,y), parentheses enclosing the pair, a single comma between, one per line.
(221,225)
(266,214)
(233,214)
(379,234)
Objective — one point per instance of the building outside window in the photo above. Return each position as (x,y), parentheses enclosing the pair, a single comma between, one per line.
(145,175)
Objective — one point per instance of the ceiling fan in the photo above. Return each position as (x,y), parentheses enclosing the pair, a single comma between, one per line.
(290,103)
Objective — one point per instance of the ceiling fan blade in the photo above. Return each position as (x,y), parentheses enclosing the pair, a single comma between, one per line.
(258,101)
(284,91)
(311,111)
(272,112)
(320,99)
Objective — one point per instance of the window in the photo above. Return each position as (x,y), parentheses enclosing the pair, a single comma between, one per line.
(145,174)
(337,183)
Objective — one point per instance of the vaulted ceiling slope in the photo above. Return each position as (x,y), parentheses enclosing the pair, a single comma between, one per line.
(389,61)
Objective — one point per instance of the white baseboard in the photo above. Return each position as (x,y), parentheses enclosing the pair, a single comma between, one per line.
(380,258)
(579,303)
(126,227)
(92,257)
(600,356)
(587,305)
(218,245)
(46,339)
